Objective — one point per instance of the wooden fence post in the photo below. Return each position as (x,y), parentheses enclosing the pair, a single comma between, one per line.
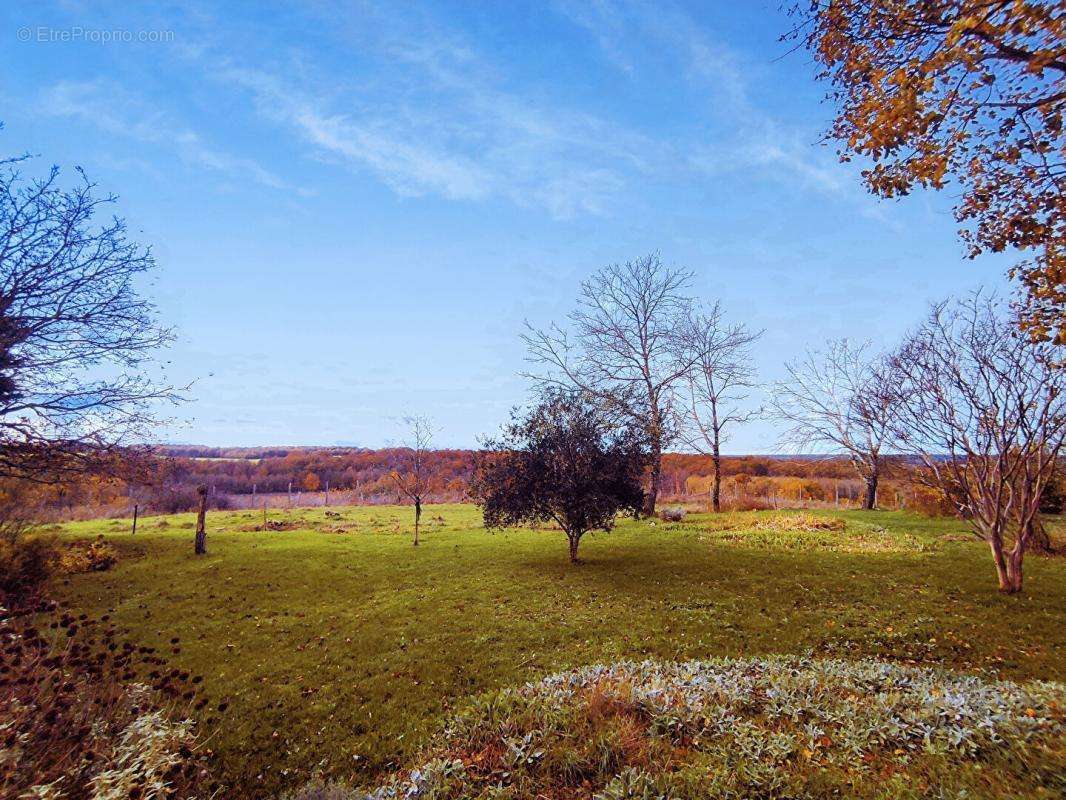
(134,520)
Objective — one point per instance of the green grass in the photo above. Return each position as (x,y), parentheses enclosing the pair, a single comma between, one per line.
(339,647)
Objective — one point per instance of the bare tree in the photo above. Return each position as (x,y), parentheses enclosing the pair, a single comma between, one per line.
(837,399)
(718,386)
(413,474)
(75,336)
(625,347)
(983,409)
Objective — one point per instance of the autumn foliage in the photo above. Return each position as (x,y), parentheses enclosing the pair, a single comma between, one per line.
(970,92)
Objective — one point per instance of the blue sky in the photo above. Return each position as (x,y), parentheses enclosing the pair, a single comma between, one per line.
(354,206)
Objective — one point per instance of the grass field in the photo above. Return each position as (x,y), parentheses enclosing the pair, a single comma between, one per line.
(338,646)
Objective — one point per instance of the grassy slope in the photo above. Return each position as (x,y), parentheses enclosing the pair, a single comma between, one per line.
(339,651)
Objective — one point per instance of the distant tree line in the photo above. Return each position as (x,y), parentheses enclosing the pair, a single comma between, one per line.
(166,483)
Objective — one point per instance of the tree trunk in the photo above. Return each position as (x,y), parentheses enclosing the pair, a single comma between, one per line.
(869,502)
(1037,539)
(201,517)
(1002,573)
(656,472)
(418,517)
(574,539)
(716,492)
(1014,568)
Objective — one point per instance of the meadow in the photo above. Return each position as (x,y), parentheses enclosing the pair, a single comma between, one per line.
(336,648)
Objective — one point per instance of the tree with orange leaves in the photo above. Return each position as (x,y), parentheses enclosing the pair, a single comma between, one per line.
(311,482)
(970,91)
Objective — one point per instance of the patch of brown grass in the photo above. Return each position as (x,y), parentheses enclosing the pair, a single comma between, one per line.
(783,523)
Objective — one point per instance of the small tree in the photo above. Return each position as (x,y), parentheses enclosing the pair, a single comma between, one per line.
(412,475)
(565,461)
(984,410)
(717,387)
(838,400)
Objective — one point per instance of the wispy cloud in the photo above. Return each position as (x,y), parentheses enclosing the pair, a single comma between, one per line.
(107,106)
(741,135)
(473,143)
(607,24)
(430,111)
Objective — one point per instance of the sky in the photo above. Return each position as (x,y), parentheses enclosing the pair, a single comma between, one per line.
(355,206)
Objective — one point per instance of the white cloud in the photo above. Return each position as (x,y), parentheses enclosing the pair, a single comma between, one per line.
(741,136)
(107,106)
(428,114)
(475,143)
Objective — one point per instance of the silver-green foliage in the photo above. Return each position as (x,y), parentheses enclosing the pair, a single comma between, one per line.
(787,727)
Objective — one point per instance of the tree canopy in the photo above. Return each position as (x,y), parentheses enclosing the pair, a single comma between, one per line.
(970,91)
(565,461)
(75,333)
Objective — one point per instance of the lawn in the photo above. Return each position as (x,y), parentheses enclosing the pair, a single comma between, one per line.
(338,647)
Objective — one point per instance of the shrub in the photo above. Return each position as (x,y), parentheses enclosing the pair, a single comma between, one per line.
(173,499)
(177,499)
(26,564)
(930,502)
(773,727)
(672,514)
(85,715)
(1053,500)
(746,504)
(97,556)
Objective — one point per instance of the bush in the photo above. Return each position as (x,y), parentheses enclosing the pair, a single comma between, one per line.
(672,514)
(26,565)
(97,556)
(930,502)
(746,504)
(772,727)
(177,499)
(85,715)
(1054,498)
(172,499)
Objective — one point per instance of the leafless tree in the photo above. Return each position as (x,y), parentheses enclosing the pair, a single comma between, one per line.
(982,407)
(625,347)
(75,335)
(838,399)
(413,474)
(717,387)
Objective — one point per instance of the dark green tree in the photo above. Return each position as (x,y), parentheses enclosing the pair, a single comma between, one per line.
(565,461)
